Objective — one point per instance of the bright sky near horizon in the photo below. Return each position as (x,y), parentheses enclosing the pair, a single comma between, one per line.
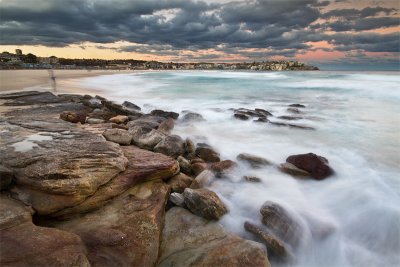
(339,33)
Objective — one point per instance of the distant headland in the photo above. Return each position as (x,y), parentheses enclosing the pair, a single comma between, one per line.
(31,61)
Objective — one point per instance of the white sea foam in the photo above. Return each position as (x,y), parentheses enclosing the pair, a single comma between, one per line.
(356,117)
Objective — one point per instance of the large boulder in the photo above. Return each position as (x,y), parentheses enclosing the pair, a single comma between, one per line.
(171,145)
(142,166)
(253,160)
(127,230)
(282,223)
(25,244)
(118,136)
(207,153)
(55,163)
(204,203)
(188,240)
(147,121)
(146,138)
(317,166)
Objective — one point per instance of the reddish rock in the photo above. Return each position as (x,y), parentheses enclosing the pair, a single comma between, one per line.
(197,168)
(223,167)
(204,203)
(179,182)
(119,119)
(207,153)
(316,165)
(73,117)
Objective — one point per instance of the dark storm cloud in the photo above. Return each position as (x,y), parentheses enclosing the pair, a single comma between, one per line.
(165,27)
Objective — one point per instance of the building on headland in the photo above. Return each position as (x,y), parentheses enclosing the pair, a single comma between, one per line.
(48,60)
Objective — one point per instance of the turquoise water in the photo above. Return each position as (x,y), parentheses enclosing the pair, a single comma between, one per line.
(356,117)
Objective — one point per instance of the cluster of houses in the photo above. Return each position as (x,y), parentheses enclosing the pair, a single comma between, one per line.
(30,61)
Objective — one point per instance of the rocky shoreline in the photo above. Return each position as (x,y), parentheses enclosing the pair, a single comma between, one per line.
(88,182)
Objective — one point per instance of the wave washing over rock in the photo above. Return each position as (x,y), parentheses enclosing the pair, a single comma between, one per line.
(301,168)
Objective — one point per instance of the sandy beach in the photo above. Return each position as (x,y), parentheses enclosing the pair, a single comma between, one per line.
(21,80)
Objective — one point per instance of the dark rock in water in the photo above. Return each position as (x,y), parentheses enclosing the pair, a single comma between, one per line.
(242,116)
(276,248)
(264,112)
(171,145)
(119,119)
(290,118)
(297,106)
(192,116)
(130,105)
(293,170)
(294,110)
(316,165)
(167,126)
(29,98)
(223,167)
(142,166)
(254,161)
(127,230)
(184,165)
(6,177)
(281,223)
(25,244)
(292,125)
(207,153)
(118,136)
(165,114)
(205,243)
(204,203)
(73,117)
(253,179)
(179,182)
(261,119)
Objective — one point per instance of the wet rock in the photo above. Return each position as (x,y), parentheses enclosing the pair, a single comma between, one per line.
(253,160)
(292,125)
(130,105)
(203,179)
(73,117)
(29,98)
(207,153)
(142,166)
(171,145)
(264,112)
(297,106)
(119,119)
(119,109)
(204,203)
(94,121)
(127,230)
(290,118)
(118,136)
(294,110)
(146,121)
(179,182)
(317,166)
(146,139)
(184,165)
(6,177)
(223,167)
(166,126)
(192,117)
(242,116)
(190,148)
(25,244)
(293,170)
(198,167)
(252,179)
(205,243)
(281,223)
(261,119)
(165,114)
(177,199)
(276,248)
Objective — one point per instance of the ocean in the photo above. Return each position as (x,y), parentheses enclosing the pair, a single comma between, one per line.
(357,128)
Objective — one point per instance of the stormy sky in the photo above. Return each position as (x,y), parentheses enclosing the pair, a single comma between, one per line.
(337,33)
